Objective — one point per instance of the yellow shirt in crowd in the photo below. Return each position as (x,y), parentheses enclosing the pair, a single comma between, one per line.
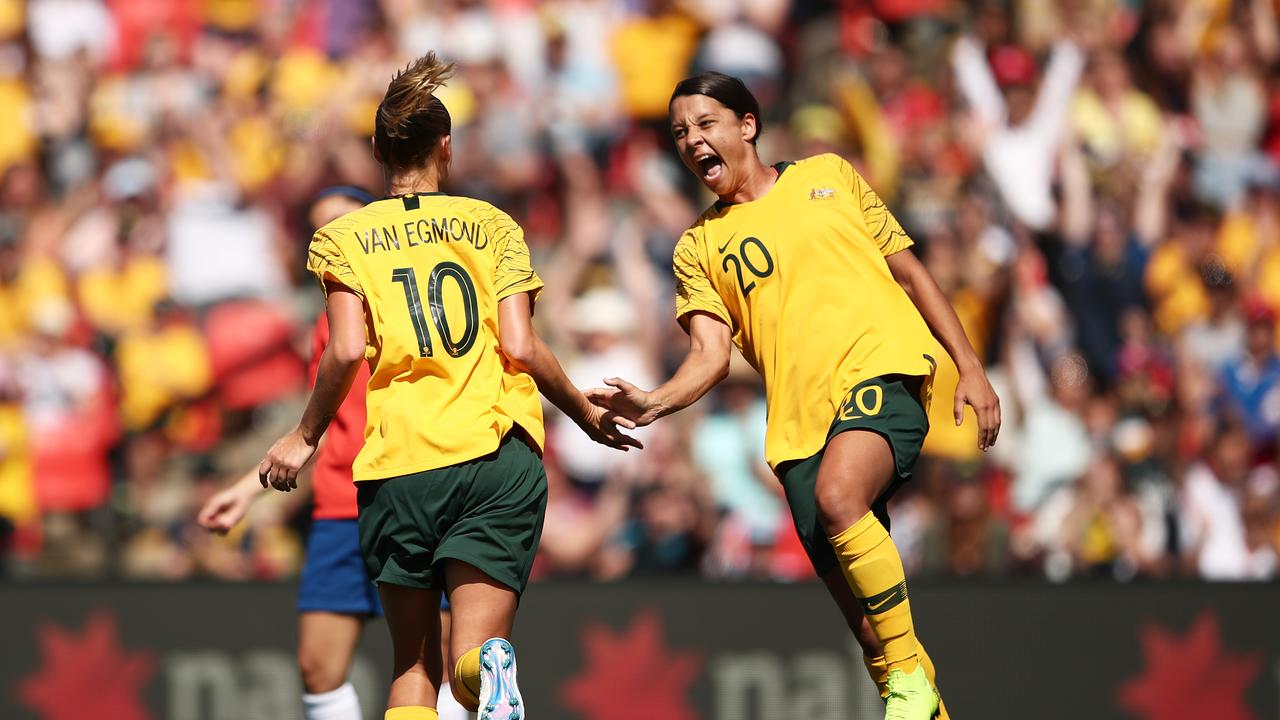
(39,298)
(651,55)
(158,369)
(17,135)
(117,300)
(17,494)
(945,439)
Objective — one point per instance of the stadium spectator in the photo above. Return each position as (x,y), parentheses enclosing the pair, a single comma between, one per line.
(1251,381)
(602,323)
(1016,125)
(1213,528)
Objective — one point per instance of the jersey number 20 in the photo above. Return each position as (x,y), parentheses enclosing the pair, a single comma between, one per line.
(435,298)
(762,273)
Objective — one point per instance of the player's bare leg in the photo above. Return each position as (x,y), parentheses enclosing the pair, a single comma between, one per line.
(484,675)
(413,618)
(857,467)
(326,645)
(851,611)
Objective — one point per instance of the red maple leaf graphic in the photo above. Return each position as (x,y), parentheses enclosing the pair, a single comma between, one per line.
(1191,677)
(632,675)
(87,675)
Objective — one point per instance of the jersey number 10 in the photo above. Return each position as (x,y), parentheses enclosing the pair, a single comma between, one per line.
(435,298)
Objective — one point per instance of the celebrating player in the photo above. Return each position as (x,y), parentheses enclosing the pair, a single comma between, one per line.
(437,292)
(805,270)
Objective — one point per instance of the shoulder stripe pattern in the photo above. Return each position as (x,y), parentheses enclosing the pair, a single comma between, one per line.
(497,225)
(880,222)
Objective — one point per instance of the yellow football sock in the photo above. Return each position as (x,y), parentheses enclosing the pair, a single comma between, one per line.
(466,680)
(878,669)
(411,712)
(873,570)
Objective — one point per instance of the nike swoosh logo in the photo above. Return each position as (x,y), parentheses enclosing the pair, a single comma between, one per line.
(878,605)
(726,244)
(887,600)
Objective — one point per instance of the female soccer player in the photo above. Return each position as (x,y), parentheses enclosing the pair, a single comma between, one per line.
(803,268)
(335,597)
(437,293)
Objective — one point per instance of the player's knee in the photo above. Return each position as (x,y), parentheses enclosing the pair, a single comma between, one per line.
(838,507)
(320,672)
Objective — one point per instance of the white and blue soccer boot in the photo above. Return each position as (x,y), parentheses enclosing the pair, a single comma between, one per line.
(499,695)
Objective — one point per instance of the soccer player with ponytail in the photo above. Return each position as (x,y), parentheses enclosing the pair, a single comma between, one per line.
(436,294)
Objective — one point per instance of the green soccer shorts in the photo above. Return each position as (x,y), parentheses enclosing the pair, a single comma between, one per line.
(486,512)
(892,406)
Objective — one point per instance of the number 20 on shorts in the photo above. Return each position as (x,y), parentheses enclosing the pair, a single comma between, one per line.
(866,400)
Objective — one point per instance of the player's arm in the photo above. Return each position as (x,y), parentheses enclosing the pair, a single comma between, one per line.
(710,343)
(338,364)
(521,345)
(229,505)
(973,388)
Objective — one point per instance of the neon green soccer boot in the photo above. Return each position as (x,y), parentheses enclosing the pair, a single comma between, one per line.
(910,697)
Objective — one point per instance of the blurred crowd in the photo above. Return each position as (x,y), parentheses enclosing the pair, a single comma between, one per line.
(1094,184)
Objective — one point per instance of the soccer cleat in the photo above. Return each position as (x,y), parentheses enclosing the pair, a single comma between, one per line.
(910,696)
(499,696)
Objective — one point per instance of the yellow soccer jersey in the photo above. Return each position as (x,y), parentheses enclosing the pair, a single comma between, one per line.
(800,277)
(431,269)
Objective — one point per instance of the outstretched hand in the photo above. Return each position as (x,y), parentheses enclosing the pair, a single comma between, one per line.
(601,424)
(222,511)
(626,400)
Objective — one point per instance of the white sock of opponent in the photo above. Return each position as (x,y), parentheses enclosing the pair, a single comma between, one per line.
(340,704)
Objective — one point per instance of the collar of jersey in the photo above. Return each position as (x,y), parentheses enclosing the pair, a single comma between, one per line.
(412,194)
(781,167)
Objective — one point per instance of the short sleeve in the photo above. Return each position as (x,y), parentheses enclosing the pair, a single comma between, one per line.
(883,226)
(327,261)
(512,271)
(694,292)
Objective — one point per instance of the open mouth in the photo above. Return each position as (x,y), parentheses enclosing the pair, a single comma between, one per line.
(710,168)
